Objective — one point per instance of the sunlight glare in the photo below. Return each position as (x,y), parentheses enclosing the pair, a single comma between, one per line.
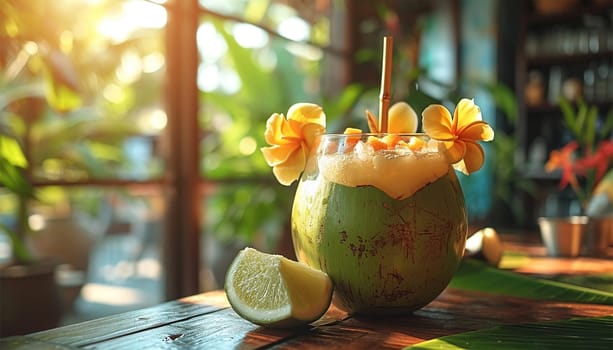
(295,28)
(66,41)
(230,81)
(305,51)
(116,29)
(247,145)
(113,93)
(111,295)
(211,45)
(135,15)
(158,120)
(145,15)
(152,121)
(130,69)
(249,36)
(149,268)
(30,47)
(153,62)
(36,222)
(208,77)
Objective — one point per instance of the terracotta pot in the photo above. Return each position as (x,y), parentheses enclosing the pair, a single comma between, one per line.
(30,299)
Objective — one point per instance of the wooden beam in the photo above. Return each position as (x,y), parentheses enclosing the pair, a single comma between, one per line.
(181,243)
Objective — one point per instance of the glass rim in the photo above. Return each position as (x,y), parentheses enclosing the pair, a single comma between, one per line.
(378,134)
(365,135)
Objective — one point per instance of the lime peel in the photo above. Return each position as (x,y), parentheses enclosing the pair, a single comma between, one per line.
(274,291)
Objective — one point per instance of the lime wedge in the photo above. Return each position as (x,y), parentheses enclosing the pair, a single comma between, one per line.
(273,291)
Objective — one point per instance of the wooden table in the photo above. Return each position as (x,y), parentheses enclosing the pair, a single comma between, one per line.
(205,321)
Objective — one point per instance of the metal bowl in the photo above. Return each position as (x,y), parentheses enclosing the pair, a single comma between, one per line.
(564,236)
(600,236)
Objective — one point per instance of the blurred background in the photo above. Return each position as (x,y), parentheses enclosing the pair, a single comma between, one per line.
(130,129)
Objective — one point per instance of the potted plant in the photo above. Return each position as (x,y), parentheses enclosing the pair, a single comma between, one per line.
(27,285)
(28,278)
(40,112)
(583,161)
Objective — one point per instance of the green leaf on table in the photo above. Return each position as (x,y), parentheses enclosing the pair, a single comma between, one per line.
(476,275)
(599,281)
(577,333)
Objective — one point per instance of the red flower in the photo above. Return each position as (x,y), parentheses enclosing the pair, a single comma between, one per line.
(598,160)
(563,159)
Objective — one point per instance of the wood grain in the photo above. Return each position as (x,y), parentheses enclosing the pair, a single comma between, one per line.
(206,321)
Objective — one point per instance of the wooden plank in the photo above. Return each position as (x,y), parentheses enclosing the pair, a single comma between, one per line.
(453,312)
(223,329)
(24,342)
(119,325)
(205,321)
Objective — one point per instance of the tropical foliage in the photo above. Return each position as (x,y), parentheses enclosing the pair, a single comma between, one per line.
(589,154)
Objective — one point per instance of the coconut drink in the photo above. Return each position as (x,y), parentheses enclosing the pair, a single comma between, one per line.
(383,214)
(387,226)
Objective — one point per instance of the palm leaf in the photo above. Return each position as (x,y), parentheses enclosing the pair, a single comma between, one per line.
(577,333)
(600,281)
(475,275)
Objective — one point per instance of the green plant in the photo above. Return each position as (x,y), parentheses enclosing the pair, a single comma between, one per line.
(255,209)
(12,167)
(55,125)
(589,154)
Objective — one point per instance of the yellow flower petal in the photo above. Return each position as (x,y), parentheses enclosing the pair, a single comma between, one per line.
(473,158)
(278,154)
(273,133)
(291,130)
(436,121)
(454,150)
(466,112)
(477,131)
(290,170)
(460,134)
(401,118)
(291,139)
(310,133)
(306,113)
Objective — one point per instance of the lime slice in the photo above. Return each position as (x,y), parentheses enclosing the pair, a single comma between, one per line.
(273,291)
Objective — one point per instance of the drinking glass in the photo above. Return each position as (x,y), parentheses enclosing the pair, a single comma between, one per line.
(387,225)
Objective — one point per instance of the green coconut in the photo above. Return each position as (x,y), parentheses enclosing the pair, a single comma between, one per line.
(384,255)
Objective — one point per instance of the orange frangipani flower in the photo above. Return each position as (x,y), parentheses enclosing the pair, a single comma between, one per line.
(459,135)
(292,139)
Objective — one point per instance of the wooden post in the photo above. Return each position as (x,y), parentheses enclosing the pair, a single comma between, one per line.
(181,243)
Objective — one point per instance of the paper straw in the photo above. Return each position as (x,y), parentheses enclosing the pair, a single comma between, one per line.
(386,73)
